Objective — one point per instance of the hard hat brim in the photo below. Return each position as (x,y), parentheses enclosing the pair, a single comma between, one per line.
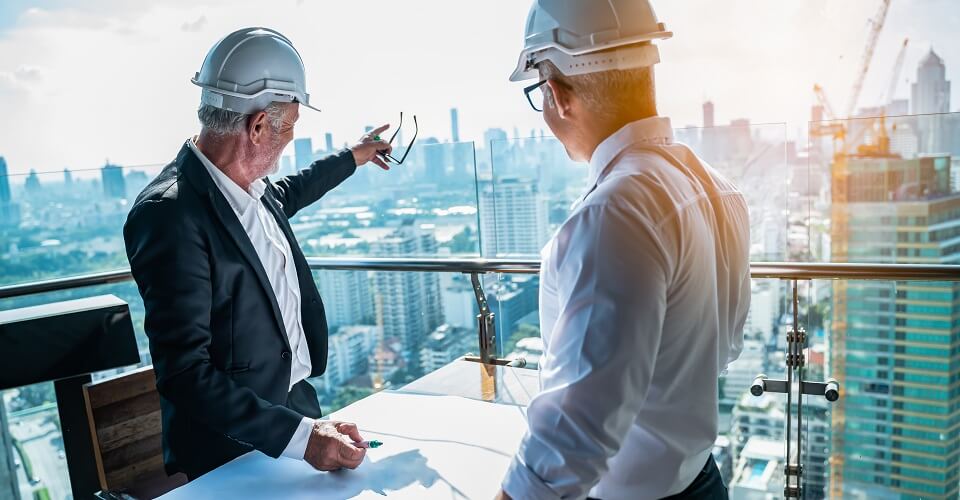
(552,51)
(251,103)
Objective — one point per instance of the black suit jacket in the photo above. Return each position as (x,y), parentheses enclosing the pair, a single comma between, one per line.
(217,339)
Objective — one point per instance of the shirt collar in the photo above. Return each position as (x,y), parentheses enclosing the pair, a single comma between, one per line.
(238,199)
(655,130)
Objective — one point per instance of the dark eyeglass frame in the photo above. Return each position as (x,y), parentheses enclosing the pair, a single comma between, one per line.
(527,90)
(416,129)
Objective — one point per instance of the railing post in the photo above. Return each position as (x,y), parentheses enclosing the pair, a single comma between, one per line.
(486,324)
(487,330)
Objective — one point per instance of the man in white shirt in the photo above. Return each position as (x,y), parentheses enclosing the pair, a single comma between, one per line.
(234,319)
(644,289)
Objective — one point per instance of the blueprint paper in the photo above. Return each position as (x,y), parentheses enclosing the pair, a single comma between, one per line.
(442,447)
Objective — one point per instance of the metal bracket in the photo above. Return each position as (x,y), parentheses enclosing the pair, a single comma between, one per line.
(829,389)
(487,331)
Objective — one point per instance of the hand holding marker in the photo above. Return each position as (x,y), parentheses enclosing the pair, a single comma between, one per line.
(368,444)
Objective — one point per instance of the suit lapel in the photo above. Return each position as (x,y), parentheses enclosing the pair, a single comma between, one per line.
(200,179)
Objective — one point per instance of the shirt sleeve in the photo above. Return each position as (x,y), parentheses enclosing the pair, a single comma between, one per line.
(612,276)
(297,446)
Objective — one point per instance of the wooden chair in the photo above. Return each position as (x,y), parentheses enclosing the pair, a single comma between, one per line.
(124,416)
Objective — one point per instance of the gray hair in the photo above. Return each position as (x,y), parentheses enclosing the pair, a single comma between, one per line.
(608,92)
(223,122)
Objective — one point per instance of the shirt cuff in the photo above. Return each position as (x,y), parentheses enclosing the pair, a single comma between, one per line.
(298,443)
(521,482)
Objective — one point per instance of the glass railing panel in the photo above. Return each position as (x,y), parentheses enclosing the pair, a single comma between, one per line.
(426,207)
(390,328)
(30,427)
(533,185)
(892,189)
(65,223)
(528,194)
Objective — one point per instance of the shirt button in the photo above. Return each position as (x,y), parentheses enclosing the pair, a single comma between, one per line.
(285,355)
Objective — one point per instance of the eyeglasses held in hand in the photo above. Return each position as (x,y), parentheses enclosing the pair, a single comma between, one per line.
(406,151)
(535,95)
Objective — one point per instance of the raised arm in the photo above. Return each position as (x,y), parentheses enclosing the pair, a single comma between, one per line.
(310,184)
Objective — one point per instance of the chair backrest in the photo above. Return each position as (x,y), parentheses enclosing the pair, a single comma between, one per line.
(125,425)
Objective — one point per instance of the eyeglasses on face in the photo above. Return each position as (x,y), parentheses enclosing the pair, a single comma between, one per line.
(535,95)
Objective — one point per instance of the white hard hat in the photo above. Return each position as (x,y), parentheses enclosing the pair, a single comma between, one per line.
(250,68)
(588,36)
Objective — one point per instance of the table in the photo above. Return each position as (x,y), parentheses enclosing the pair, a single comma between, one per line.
(498,384)
(436,445)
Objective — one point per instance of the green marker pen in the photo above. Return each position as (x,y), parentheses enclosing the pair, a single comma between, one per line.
(368,444)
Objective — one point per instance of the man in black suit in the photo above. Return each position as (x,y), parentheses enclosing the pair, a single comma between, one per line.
(234,318)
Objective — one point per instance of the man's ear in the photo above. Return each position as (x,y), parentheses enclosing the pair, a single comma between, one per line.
(257,126)
(561,96)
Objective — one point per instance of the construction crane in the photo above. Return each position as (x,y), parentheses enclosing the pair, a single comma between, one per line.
(824,102)
(895,76)
(876,25)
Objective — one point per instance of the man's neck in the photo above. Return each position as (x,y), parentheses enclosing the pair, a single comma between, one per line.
(225,154)
(602,129)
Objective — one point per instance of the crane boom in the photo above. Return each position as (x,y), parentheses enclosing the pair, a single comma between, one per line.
(895,76)
(876,25)
(822,98)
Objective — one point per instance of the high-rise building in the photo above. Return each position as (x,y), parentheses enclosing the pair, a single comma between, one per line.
(513,218)
(348,355)
(446,344)
(931,91)
(896,430)
(454,125)
(510,301)
(407,305)
(758,473)
(434,159)
(347,297)
(328,142)
(4,182)
(9,211)
(739,375)
(496,144)
(930,96)
(303,151)
(32,183)
(708,117)
(459,300)
(114,185)
(708,136)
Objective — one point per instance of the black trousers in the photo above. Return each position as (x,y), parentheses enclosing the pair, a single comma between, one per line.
(708,485)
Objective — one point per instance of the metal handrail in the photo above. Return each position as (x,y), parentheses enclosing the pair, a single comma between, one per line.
(758,270)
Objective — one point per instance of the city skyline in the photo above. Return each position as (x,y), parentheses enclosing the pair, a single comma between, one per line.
(766,82)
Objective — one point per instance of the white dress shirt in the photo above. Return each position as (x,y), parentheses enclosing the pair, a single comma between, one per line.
(644,292)
(274,252)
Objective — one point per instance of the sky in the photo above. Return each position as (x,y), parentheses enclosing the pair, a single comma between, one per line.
(83,82)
